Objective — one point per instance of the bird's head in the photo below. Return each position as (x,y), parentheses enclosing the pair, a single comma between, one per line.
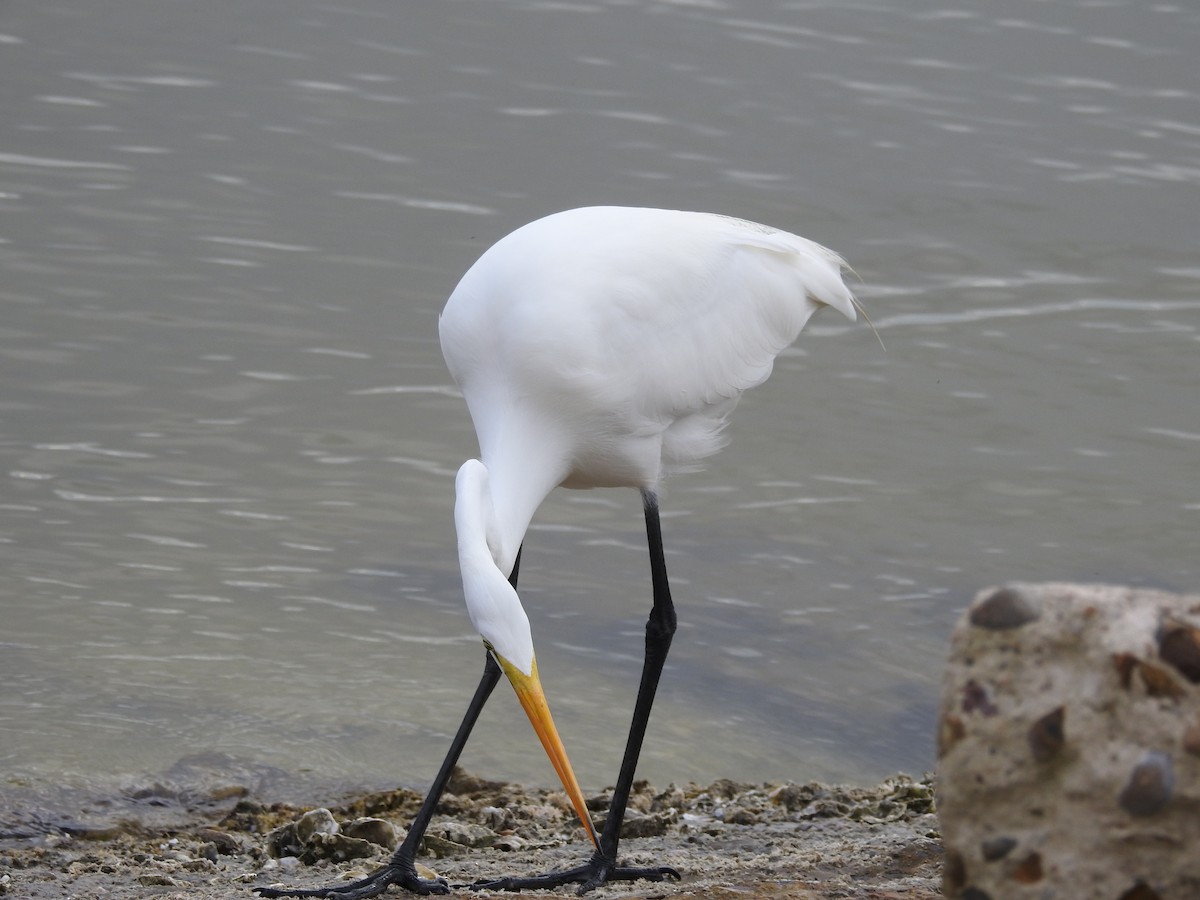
(498,616)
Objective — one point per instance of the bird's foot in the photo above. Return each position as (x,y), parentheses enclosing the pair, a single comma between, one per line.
(595,872)
(374,885)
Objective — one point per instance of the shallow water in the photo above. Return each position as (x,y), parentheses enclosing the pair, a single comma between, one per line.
(228,438)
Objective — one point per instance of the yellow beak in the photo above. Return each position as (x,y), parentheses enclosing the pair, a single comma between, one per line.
(529,692)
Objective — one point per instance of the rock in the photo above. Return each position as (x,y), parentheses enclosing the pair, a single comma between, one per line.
(640,825)
(495,818)
(223,841)
(314,822)
(157,880)
(671,798)
(1069,746)
(739,816)
(465,834)
(316,835)
(282,842)
(338,847)
(440,848)
(377,831)
(464,782)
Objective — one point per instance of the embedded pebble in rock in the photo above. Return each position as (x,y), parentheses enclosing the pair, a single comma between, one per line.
(1069,746)
(1003,609)
(1149,787)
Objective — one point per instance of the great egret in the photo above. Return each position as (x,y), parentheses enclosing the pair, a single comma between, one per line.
(598,347)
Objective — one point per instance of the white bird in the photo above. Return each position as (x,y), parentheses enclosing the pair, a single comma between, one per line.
(599,347)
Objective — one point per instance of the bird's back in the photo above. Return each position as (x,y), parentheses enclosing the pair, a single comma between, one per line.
(624,336)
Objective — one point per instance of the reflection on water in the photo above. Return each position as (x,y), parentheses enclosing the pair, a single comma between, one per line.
(228,437)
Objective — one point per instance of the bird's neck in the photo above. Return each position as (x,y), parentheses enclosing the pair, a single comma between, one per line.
(492,602)
(492,511)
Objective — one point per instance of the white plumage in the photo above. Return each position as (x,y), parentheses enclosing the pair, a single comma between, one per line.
(604,346)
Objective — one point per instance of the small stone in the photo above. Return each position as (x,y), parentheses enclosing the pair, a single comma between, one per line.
(975,699)
(639,825)
(1046,736)
(440,848)
(1159,682)
(338,847)
(1002,610)
(671,798)
(734,817)
(1140,891)
(1180,647)
(1029,870)
(464,834)
(791,796)
(1150,784)
(282,842)
(316,821)
(997,848)
(723,789)
(464,782)
(595,803)
(494,817)
(376,831)
(224,841)
(156,879)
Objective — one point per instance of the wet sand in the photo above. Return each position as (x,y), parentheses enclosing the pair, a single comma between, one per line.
(726,839)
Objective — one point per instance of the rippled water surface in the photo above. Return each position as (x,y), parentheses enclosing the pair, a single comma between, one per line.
(227,437)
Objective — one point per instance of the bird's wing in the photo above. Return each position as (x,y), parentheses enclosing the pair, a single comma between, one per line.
(651,320)
(682,312)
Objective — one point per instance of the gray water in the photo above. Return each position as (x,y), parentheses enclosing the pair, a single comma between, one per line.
(227,437)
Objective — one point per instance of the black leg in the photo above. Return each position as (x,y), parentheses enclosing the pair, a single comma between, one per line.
(401,868)
(660,628)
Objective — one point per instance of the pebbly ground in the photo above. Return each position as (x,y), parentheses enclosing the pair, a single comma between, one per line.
(727,839)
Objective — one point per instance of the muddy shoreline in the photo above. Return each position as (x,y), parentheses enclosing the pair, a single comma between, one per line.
(726,839)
